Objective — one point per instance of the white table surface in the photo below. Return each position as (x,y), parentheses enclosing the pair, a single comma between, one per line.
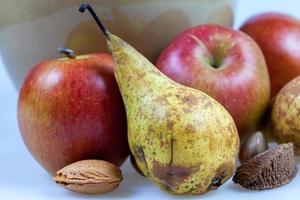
(22,178)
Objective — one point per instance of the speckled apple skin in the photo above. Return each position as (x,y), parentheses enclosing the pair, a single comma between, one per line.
(70,110)
(240,81)
(286,114)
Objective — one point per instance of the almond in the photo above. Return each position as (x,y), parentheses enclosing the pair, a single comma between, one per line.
(89,176)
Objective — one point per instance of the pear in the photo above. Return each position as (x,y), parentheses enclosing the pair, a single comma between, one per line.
(182,139)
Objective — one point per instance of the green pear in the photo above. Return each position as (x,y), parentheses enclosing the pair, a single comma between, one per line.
(182,139)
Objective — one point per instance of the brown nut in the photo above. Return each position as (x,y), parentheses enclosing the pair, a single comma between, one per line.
(89,176)
(272,168)
(256,144)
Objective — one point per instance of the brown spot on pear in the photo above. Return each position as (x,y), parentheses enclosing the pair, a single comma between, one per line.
(172,176)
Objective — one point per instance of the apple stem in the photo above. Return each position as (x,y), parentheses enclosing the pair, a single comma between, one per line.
(103,29)
(68,52)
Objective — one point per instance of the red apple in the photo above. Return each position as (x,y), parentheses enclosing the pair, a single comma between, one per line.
(224,63)
(71,109)
(278,36)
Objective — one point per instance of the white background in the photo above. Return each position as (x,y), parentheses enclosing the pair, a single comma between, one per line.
(22,178)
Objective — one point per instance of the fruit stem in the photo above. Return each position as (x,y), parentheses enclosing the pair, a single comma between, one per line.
(103,29)
(68,52)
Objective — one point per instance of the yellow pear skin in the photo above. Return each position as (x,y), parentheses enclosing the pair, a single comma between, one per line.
(182,139)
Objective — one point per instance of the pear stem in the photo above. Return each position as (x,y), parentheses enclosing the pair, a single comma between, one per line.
(68,52)
(103,29)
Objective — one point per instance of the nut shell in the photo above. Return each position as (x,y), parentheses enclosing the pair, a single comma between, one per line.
(256,144)
(89,176)
(269,169)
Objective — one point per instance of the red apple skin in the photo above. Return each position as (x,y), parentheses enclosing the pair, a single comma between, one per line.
(278,36)
(71,110)
(240,82)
